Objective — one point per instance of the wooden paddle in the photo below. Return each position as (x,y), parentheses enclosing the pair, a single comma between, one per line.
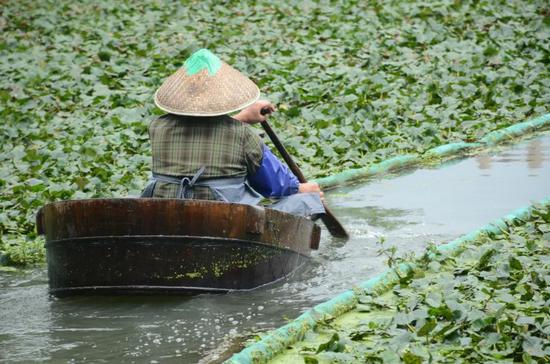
(331,222)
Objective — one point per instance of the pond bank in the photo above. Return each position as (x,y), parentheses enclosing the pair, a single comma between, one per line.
(487,303)
(369,325)
(439,154)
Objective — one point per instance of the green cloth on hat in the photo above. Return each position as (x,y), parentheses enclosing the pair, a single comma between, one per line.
(200,60)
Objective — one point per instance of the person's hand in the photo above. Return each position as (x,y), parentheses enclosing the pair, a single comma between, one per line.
(311,187)
(253,113)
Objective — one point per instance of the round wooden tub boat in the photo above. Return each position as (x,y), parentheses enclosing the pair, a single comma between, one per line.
(150,246)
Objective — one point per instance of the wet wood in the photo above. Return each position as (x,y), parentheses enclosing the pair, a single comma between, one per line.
(169,245)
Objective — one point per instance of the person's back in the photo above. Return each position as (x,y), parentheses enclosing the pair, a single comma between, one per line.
(182,145)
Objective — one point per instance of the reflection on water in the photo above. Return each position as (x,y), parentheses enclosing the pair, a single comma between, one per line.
(484,161)
(535,154)
(410,211)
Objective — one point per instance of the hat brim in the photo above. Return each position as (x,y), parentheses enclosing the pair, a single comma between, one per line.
(187,113)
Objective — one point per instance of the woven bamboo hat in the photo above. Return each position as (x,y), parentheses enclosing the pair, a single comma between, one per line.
(206,86)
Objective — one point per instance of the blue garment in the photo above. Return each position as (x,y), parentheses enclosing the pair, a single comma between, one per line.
(273,178)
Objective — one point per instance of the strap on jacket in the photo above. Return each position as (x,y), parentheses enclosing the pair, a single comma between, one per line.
(185,183)
(188,183)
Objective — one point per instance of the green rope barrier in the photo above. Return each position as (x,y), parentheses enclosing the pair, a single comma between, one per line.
(274,343)
(437,154)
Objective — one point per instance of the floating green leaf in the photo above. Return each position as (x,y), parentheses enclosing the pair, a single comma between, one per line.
(491,314)
(356,82)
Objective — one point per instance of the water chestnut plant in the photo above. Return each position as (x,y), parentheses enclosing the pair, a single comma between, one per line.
(355,82)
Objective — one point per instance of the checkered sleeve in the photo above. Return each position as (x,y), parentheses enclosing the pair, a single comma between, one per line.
(252,148)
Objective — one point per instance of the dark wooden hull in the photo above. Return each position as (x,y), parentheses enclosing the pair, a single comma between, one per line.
(129,246)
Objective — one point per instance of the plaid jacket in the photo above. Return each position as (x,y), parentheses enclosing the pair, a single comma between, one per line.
(183,144)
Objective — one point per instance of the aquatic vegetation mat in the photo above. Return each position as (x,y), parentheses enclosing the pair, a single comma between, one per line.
(488,304)
(355,83)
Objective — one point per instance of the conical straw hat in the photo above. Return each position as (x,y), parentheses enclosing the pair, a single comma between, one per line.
(206,86)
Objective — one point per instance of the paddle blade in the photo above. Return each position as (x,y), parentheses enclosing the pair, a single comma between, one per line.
(333,225)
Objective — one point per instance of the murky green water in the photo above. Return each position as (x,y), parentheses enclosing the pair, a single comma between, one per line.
(408,211)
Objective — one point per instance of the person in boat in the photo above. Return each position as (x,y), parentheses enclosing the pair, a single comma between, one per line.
(199,151)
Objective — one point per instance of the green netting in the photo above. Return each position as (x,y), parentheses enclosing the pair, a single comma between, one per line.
(278,340)
(438,154)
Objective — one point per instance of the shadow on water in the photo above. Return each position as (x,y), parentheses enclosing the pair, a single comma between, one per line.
(410,211)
